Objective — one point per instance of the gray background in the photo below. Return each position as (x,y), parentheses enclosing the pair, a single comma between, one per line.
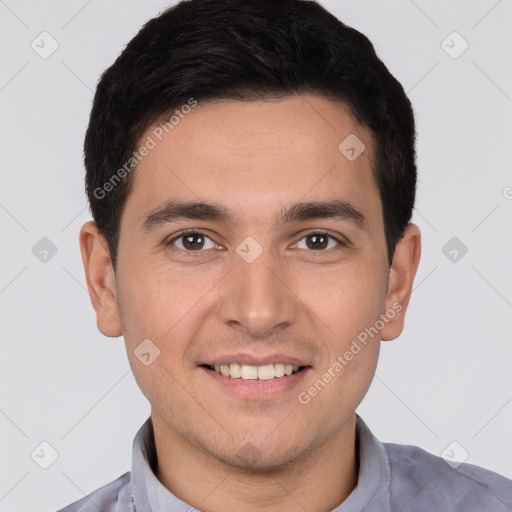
(447,378)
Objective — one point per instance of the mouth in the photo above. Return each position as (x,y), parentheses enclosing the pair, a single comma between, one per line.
(250,372)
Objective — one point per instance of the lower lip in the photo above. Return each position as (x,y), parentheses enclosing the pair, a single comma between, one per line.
(253,389)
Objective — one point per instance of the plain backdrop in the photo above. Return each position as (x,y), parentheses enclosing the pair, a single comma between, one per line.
(446,380)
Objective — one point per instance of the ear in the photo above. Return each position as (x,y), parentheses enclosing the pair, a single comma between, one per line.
(101,281)
(401,278)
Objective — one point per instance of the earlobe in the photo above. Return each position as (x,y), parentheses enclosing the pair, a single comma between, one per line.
(100,279)
(403,270)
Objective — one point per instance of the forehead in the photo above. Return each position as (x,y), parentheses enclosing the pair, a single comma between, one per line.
(257,157)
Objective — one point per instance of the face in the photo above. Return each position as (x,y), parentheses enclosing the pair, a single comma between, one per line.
(284,264)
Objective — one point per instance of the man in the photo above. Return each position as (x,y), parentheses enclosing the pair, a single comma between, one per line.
(251,174)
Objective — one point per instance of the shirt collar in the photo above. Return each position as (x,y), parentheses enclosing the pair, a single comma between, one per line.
(374,477)
(371,493)
(148,492)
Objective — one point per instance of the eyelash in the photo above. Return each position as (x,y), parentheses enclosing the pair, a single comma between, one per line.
(200,252)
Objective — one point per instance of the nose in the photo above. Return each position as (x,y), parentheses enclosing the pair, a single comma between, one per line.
(257,297)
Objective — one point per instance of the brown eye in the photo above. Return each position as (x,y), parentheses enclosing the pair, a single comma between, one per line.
(317,241)
(320,242)
(192,242)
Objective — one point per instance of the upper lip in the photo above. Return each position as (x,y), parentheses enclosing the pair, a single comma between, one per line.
(256,360)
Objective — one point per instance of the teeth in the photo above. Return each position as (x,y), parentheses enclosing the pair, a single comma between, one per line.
(266,372)
(234,370)
(279,370)
(247,372)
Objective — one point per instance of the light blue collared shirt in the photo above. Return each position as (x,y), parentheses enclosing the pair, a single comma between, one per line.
(391,478)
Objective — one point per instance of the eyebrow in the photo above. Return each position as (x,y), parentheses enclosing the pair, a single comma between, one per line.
(172,211)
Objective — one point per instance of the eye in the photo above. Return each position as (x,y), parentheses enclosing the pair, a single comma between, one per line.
(192,241)
(319,241)
(197,242)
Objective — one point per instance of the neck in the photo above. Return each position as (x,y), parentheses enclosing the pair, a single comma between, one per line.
(319,480)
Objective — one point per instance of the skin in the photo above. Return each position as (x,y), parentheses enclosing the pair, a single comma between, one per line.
(255,158)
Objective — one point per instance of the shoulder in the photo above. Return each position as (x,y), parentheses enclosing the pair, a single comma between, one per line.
(420,479)
(108,498)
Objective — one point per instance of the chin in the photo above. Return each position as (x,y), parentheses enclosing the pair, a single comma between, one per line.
(254,457)
(255,463)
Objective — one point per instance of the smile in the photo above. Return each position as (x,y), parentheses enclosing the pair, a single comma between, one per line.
(249,372)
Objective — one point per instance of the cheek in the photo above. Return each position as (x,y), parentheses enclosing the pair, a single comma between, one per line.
(346,304)
(340,386)
(161,303)
(345,300)
(355,378)
(163,306)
